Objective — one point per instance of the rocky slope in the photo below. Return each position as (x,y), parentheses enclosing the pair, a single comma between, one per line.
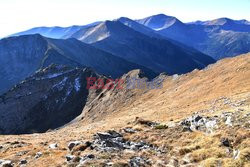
(50,98)
(21,56)
(197,119)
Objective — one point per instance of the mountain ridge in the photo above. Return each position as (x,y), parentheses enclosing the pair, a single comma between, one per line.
(134,46)
(193,34)
(56,32)
(53,94)
(26,54)
(203,36)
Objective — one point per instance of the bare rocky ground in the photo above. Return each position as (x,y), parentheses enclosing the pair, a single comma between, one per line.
(198,119)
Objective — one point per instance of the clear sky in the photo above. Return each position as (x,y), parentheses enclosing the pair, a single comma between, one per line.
(19,15)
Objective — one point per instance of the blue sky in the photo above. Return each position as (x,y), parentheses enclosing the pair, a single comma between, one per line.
(19,15)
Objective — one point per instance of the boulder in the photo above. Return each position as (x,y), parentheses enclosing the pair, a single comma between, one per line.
(225,142)
(86,158)
(72,144)
(129,130)
(145,122)
(38,155)
(108,135)
(81,147)
(236,154)
(69,157)
(197,122)
(6,163)
(23,161)
(229,121)
(53,146)
(113,141)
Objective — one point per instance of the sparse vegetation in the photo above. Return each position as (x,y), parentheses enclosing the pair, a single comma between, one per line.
(154,133)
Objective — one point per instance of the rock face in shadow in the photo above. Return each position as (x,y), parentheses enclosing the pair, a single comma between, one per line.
(21,56)
(47,100)
(135,43)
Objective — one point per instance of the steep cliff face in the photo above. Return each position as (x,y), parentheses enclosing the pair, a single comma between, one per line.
(47,100)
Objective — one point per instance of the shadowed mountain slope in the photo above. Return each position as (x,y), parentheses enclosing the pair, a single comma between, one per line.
(22,56)
(155,53)
(218,38)
(50,98)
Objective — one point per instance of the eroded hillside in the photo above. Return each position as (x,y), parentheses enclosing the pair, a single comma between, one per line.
(197,119)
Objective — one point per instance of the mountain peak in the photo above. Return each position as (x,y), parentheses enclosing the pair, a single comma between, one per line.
(160,21)
(28,36)
(96,33)
(123,19)
(105,30)
(220,21)
(162,16)
(244,21)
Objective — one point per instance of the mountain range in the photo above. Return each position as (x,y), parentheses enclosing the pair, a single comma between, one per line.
(23,55)
(218,38)
(153,45)
(168,101)
(231,36)
(54,32)
(111,48)
(160,55)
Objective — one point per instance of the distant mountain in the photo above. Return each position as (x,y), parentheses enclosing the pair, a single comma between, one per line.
(228,24)
(218,38)
(226,43)
(171,27)
(126,21)
(140,28)
(159,22)
(155,53)
(21,56)
(54,32)
(203,36)
(152,33)
(49,99)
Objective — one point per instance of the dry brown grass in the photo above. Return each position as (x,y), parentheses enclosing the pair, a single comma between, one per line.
(198,91)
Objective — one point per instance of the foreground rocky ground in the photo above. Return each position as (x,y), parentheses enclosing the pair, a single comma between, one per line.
(198,119)
(219,140)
